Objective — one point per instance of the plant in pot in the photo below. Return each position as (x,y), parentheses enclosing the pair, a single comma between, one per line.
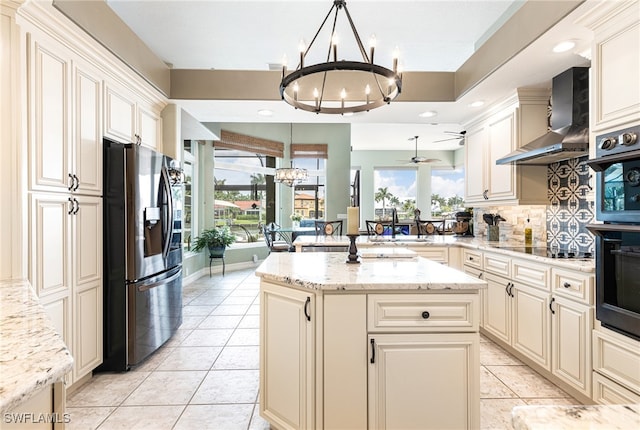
(215,239)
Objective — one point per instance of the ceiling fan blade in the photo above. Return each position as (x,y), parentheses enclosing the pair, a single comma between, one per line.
(450,138)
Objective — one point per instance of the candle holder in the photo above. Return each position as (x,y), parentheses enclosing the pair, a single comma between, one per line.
(353,250)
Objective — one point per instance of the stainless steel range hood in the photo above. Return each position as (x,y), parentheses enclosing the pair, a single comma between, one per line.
(569,137)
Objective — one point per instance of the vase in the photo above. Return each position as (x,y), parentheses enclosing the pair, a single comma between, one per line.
(295,224)
(216,251)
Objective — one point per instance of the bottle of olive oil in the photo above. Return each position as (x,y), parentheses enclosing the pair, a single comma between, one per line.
(528,233)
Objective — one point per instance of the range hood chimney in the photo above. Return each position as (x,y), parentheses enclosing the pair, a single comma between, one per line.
(569,137)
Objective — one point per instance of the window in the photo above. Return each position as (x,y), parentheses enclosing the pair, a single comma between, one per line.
(394,188)
(309,196)
(240,197)
(447,192)
(189,206)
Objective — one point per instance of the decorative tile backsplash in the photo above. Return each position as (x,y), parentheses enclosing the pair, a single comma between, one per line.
(569,210)
(561,224)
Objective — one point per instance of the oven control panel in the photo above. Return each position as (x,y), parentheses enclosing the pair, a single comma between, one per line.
(618,141)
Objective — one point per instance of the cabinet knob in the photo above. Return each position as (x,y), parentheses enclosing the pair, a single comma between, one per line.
(425,315)
(567,285)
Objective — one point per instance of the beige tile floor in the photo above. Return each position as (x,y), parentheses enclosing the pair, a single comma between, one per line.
(206,376)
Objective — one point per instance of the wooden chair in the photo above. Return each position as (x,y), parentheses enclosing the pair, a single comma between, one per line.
(328,228)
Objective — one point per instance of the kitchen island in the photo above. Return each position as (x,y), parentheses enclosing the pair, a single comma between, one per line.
(391,342)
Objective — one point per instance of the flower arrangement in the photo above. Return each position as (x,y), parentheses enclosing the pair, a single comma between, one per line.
(296,217)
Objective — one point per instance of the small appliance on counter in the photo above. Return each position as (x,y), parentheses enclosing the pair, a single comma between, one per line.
(462,225)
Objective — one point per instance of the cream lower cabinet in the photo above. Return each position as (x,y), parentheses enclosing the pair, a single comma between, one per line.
(515,313)
(356,360)
(423,381)
(287,349)
(66,270)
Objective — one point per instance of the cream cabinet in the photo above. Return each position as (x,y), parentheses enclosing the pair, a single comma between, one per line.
(430,379)
(65,151)
(616,367)
(615,64)
(287,379)
(66,270)
(499,131)
(129,119)
(368,360)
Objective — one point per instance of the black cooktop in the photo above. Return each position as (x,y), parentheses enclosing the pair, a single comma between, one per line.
(550,253)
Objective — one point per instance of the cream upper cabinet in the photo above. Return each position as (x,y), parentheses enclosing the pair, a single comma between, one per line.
(129,119)
(615,65)
(65,102)
(494,134)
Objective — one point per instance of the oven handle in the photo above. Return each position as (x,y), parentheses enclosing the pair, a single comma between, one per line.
(599,228)
(603,163)
(625,253)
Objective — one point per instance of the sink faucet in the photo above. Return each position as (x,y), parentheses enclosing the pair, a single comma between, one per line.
(394,215)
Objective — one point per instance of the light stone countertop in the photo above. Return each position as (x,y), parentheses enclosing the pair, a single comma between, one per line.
(32,354)
(592,417)
(329,271)
(477,243)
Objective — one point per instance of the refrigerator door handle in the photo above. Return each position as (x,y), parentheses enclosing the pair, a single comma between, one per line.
(146,287)
(167,218)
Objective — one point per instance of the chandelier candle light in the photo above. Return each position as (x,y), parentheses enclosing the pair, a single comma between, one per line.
(353,222)
(340,86)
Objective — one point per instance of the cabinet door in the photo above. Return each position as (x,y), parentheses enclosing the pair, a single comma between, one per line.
(120,114)
(150,128)
(497,315)
(58,309)
(287,356)
(49,157)
(50,238)
(87,240)
(531,331)
(501,142)
(424,381)
(87,130)
(571,343)
(87,317)
(475,165)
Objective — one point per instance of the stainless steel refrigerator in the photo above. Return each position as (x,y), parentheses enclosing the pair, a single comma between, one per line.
(142,254)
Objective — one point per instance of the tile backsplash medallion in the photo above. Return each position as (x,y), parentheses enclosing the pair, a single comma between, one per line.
(570,211)
(561,224)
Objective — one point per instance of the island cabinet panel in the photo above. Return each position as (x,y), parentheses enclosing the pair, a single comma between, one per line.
(287,382)
(345,359)
(497,312)
(425,381)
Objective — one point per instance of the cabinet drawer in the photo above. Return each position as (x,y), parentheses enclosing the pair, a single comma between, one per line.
(440,255)
(497,264)
(531,274)
(617,359)
(578,286)
(607,392)
(472,258)
(422,312)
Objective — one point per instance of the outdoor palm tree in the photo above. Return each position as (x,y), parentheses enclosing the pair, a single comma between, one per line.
(383,195)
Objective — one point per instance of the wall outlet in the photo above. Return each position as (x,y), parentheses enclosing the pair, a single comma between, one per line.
(341,216)
(255,258)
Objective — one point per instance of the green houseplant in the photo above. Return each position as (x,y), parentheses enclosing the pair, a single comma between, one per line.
(215,239)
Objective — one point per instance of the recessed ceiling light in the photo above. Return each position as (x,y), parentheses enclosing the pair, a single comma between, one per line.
(564,46)
(265,112)
(428,114)
(476,104)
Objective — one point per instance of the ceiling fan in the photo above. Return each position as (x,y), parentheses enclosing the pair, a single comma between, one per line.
(421,160)
(455,135)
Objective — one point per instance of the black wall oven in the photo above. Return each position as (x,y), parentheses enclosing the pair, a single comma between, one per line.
(617,166)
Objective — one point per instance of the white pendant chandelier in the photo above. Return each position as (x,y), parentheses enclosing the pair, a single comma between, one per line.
(290,176)
(340,86)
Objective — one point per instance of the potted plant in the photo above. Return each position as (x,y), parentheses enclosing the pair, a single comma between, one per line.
(215,239)
(296,218)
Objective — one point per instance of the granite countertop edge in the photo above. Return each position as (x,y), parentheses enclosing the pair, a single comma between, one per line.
(32,354)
